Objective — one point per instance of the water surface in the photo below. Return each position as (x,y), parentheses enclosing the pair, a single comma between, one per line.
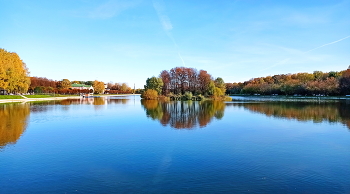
(125,145)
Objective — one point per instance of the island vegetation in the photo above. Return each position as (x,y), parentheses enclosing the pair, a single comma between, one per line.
(183,83)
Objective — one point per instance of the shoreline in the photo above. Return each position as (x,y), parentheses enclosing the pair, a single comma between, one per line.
(23,100)
(266,98)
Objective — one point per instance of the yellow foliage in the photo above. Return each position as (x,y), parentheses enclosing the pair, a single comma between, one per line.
(13,122)
(13,72)
(99,87)
(150,94)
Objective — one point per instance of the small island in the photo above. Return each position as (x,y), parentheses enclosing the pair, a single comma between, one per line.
(183,83)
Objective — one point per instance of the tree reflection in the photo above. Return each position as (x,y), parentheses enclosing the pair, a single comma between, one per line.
(327,112)
(13,122)
(184,114)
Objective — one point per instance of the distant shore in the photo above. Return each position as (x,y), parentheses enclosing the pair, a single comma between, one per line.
(282,98)
(22,100)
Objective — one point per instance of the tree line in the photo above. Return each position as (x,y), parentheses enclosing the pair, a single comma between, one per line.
(316,83)
(14,78)
(64,86)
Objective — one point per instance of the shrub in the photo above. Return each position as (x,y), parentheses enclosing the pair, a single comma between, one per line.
(200,97)
(227,98)
(149,94)
(187,96)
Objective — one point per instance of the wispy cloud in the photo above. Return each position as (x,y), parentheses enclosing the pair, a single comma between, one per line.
(164,19)
(284,61)
(166,24)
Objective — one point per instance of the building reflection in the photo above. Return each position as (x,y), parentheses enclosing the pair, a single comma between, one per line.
(13,122)
(184,114)
(326,112)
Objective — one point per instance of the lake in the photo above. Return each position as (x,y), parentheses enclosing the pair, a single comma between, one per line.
(128,145)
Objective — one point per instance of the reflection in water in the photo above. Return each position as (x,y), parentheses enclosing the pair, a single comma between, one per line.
(13,122)
(184,114)
(75,101)
(14,117)
(94,101)
(327,112)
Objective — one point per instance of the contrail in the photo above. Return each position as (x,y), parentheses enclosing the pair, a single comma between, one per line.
(166,24)
(286,60)
(327,44)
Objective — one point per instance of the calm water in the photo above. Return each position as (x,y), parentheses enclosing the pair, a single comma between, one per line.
(125,145)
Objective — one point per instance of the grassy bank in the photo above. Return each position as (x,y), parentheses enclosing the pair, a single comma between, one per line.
(38,96)
(10,97)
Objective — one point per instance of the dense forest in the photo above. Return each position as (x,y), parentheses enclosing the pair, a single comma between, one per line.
(316,83)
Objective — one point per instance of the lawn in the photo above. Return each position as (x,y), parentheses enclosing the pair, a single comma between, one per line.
(10,97)
(37,96)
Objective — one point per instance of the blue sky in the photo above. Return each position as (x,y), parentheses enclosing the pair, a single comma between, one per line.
(128,41)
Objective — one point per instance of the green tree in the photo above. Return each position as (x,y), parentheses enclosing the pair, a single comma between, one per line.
(219,83)
(154,84)
(211,88)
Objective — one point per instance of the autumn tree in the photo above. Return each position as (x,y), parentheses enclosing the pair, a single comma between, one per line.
(344,82)
(204,78)
(125,88)
(110,85)
(220,84)
(180,80)
(65,84)
(149,94)
(99,87)
(165,76)
(13,72)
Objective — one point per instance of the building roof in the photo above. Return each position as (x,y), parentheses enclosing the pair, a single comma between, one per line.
(80,85)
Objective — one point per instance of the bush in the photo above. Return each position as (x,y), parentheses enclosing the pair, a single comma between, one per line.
(200,97)
(149,94)
(187,96)
(227,98)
